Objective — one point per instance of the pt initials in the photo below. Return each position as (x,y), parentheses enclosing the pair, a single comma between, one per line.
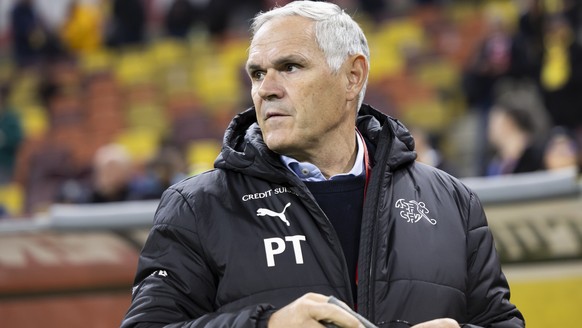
(275,246)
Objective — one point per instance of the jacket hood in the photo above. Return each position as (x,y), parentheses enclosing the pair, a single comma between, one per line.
(243,149)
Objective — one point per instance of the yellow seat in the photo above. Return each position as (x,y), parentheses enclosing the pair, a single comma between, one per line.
(141,144)
(388,47)
(506,11)
(428,114)
(201,154)
(24,90)
(34,120)
(170,63)
(134,67)
(12,198)
(148,117)
(224,65)
(97,61)
(168,51)
(440,74)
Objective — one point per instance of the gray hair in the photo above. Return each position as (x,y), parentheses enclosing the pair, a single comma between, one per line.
(336,33)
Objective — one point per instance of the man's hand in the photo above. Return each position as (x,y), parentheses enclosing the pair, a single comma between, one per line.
(308,310)
(438,323)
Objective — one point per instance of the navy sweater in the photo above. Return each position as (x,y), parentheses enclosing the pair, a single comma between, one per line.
(342,202)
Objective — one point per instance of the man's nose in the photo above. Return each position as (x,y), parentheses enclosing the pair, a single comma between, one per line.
(270,87)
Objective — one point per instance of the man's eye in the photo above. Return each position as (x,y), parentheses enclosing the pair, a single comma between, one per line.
(291,67)
(258,75)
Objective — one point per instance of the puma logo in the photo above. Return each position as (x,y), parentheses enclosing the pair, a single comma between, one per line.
(281,216)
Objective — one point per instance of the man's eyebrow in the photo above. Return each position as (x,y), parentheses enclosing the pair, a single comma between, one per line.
(252,67)
(278,62)
(289,59)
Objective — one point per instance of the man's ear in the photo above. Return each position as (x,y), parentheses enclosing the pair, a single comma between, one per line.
(357,73)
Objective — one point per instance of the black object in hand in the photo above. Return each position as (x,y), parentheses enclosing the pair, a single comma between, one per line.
(364,321)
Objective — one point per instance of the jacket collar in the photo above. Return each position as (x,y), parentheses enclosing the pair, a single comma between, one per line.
(243,149)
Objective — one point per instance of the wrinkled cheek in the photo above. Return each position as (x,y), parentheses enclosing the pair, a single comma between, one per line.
(256,99)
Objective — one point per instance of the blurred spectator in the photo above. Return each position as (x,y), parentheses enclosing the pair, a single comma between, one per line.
(426,152)
(114,177)
(81,31)
(112,172)
(31,39)
(3,212)
(561,150)
(42,167)
(573,13)
(501,56)
(11,135)
(180,17)
(46,162)
(127,23)
(111,176)
(554,38)
(166,168)
(515,141)
(561,74)
(26,32)
(219,22)
(375,9)
(530,30)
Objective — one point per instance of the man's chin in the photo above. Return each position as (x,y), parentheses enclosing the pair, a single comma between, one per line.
(276,144)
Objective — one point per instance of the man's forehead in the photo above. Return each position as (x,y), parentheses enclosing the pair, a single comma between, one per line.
(284,28)
(280,44)
(283,37)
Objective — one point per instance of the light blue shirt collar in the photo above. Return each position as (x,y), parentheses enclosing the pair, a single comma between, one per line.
(309,172)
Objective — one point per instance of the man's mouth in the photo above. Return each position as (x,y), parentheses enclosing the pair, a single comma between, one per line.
(273,114)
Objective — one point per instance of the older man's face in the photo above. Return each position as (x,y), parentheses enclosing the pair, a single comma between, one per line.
(300,103)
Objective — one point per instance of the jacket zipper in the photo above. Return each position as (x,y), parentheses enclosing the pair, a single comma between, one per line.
(372,205)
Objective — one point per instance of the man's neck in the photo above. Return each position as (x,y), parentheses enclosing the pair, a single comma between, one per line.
(337,162)
(336,157)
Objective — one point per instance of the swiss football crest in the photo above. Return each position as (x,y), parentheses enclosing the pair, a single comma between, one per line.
(413,211)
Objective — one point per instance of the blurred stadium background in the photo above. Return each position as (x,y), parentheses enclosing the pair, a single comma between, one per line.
(151,85)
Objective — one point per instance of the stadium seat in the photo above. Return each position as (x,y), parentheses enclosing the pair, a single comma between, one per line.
(12,198)
(140,143)
(201,154)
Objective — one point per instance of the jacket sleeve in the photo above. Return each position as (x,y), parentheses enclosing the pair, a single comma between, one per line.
(175,285)
(488,292)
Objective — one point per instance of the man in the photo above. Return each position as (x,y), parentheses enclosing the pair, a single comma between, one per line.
(303,206)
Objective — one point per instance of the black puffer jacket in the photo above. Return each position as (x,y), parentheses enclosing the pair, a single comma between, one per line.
(230,245)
